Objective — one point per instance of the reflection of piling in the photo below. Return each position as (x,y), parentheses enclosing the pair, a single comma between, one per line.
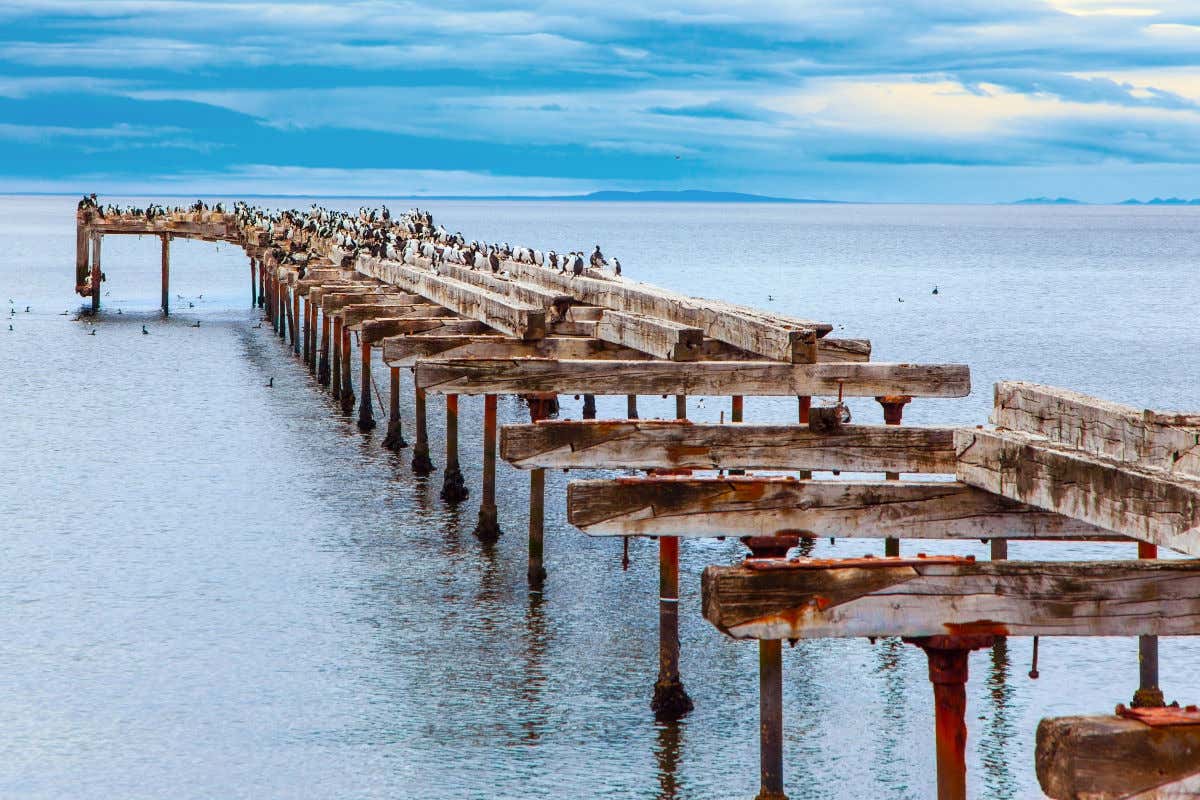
(421,463)
(488,527)
(454,488)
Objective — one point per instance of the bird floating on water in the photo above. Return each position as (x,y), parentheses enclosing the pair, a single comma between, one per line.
(144,331)
(197,324)
(899,299)
(271,382)
(256,327)
(26,309)
(92,332)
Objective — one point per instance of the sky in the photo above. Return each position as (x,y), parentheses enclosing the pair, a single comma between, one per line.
(880,100)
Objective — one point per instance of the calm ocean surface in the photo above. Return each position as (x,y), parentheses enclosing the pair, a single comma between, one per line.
(212,589)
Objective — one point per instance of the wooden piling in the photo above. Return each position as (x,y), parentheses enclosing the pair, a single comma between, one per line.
(295,320)
(395,432)
(166,274)
(366,414)
(83,238)
(589,406)
(323,366)
(96,240)
(422,464)
(347,394)
(335,383)
(680,406)
(488,526)
(770,720)
(540,406)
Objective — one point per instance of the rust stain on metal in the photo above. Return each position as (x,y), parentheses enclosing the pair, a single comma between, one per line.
(980,627)
(1162,717)
(867,562)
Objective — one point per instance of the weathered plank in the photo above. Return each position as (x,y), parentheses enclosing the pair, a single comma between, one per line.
(434,326)
(770,335)
(748,378)
(551,301)
(1140,436)
(844,350)
(508,316)
(678,444)
(353,316)
(908,598)
(657,337)
(1112,758)
(766,506)
(405,352)
(384,331)
(1140,502)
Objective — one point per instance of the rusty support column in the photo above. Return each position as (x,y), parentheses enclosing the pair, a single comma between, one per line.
(306,346)
(1148,695)
(294,320)
(323,369)
(83,242)
(631,411)
(335,383)
(681,406)
(803,407)
(488,527)
(314,327)
(770,719)
(421,463)
(395,432)
(454,488)
(670,701)
(262,286)
(948,673)
(736,411)
(366,411)
(253,286)
(281,306)
(272,306)
(97,238)
(893,414)
(540,406)
(589,406)
(166,274)
(999,548)
(347,394)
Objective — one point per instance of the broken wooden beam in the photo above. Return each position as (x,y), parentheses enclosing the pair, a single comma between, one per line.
(748,378)
(353,316)
(678,444)
(657,337)
(405,352)
(768,506)
(1147,504)
(816,598)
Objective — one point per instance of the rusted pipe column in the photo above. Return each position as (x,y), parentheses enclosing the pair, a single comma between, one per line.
(271,305)
(1148,695)
(488,527)
(335,383)
(262,288)
(681,406)
(803,407)
(999,548)
(454,489)
(670,701)
(736,409)
(347,395)
(323,369)
(770,719)
(253,286)
(540,406)
(395,432)
(421,463)
(313,314)
(631,411)
(948,673)
(295,320)
(306,347)
(589,406)
(83,242)
(96,239)
(893,414)
(166,274)
(366,412)
(284,308)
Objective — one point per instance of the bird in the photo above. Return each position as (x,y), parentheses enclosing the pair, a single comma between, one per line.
(935,291)
(92,332)
(190,305)
(26,309)
(65,313)
(256,327)
(271,382)
(10,327)
(197,325)
(899,299)
(770,298)
(144,331)
(118,311)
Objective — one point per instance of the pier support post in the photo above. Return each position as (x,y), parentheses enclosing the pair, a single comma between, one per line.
(395,432)
(421,463)
(540,407)
(284,309)
(262,278)
(366,412)
(323,372)
(681,406)
(166,274)
(454,488)
(97,238)
(670,701)
(306,348)
(736,412)
(893,414)
(948,673)
(83,239)
(272,306)
(1148,695)
(999,549)
(488,527)
(335,383)
(294,320)
(631,411)
(803,407)
(253,286)
(347,394)
(589,406)
(770,720)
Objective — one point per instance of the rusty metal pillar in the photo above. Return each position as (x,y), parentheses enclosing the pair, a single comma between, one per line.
(306,345)
(262,288)
(803,409)
(83,242)
(347,394)
(335,382)
(893,414)
(253,285)
(97,238)
(366,411)
(313,336)
(395,431)
(282,307)
(589,406)
(681,406)
(670,701)
(736,412)
(488,527)
(1148,695)
(323,366)
(540,406)
(948,673)
(770,720)
(294,320)
(270,305)
(166,274)
(999,549)
(422,464)
(631,411)
(454,488)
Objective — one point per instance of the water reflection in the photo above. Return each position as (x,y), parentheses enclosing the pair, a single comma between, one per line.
(534,683)
(893,730)
(668,745)
(996,739)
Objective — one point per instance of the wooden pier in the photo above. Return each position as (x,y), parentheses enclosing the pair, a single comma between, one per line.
(471,318)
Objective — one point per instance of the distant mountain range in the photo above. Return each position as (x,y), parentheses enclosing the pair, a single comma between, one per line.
(1070,201)
(682,196)
(1049,201)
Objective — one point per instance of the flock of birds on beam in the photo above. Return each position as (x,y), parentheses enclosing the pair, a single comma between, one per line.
(409,237)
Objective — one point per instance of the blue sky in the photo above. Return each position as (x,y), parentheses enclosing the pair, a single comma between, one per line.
(925,100)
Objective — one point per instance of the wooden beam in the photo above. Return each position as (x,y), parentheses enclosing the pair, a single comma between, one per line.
(1140,502)
(521,291)
(511,317)
(353,316)
(844,350)
(434,326)
(659,338)
(906,597)
(749,378)
(1140,436)
(679,444)
(405,352)
(766,506)
(1113,758)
